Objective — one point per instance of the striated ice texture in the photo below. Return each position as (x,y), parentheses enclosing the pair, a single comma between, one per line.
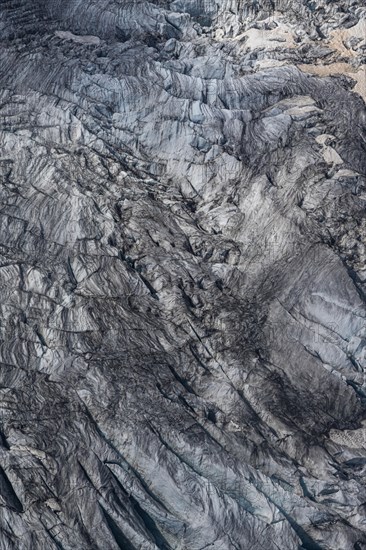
(182,275)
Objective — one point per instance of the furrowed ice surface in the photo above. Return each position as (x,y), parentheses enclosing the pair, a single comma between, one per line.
(182,275)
